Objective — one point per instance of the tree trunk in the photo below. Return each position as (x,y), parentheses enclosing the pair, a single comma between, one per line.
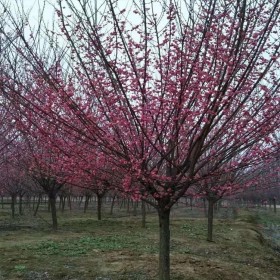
(135,204)
(164,244)
(63,203)
(81,198)
(20,205)
(86,203)
(216,207)
(38,204)
(128,204)
(14,198)
(122,203)
(28,201)
(274,204)
(210,220)
(99,206)
(143,208)
(112,205)
(33,202)
(69,202)
(52,201)
(148,207)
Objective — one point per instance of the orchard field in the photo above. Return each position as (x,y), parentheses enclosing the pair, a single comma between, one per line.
(169,109)
(119,248)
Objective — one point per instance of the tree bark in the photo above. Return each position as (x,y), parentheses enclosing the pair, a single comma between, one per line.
(164,244)
(135,204)
(33,202)
(122,203)
(81,198)
(63,203)
(128,204)
(210,220)
(69,202)
(86,203)
(28,201)
(112,205)
(143,208)
(37,206)
(274,204)
(20,205)
(99,207)
(14,198)
(52,201)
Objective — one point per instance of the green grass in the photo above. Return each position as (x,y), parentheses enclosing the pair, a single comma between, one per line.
(117,248)
(85,245)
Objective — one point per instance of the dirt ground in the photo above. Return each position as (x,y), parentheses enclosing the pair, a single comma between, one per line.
(118,248)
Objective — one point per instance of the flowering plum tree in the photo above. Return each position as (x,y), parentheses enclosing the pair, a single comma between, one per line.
(266,183)
(214,188)
(47,165)
(92,171)
(221,177)
(163,89)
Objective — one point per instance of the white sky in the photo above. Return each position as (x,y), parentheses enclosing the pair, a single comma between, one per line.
(36,6)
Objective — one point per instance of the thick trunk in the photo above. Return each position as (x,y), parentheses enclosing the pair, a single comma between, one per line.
(210,220)
(52,201)
(164,244)
(143,210)
(99,206)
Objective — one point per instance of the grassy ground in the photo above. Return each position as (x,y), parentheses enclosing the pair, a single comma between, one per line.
(117,248)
